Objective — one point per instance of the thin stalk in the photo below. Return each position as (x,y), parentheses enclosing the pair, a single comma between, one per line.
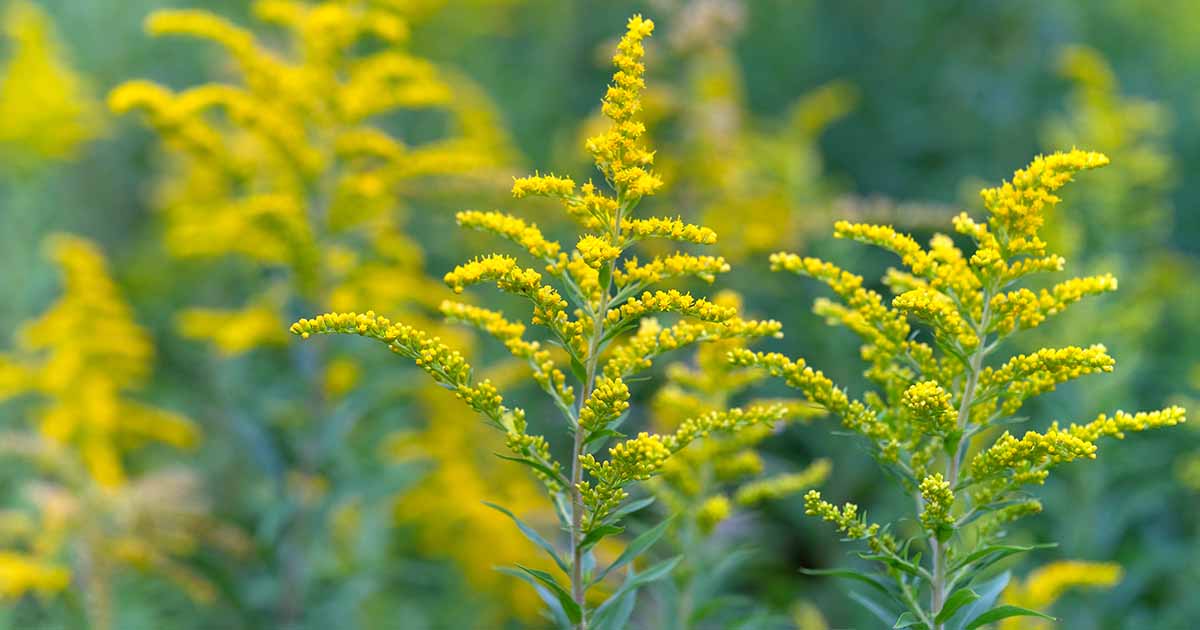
(938,585)
(593,360)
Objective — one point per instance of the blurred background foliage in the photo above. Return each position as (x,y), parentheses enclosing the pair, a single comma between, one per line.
(361,507)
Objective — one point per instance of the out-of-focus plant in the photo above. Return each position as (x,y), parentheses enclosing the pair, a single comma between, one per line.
(708,482)
(1047,584)
(297,167)
(88,515)
(46,111)
(610,294)
(937,391)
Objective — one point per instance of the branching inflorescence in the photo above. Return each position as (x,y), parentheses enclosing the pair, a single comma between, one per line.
(939,396)
(587,299)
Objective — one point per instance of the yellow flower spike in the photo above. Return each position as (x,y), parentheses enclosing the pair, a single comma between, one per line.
(885,236)
(669,302)
(780,486)
(233,332)
(20,574)
(1018,208)
(674,266)
(847,520)
(1025,376)
(527,235)
(671,229)
(46,112)
(543,186)
(617,152)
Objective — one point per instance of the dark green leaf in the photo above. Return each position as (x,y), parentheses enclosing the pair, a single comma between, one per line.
(551,600)
(957,600)
(1004,612)
(635,548)
(1001,551)
(532,535)
(851,574)
(574,613)
(598,534)
(542,468)
(628,508)
(909,620)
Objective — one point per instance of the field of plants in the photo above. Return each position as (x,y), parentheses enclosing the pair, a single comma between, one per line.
(669,314)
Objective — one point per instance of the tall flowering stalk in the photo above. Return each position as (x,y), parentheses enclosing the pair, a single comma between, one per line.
(939,394)
(585,300)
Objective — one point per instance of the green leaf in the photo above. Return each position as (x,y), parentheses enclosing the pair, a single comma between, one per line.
(602,433)
(1004,612)
(533,536)
(989,593)
(884,614)
(635,548)
(1001,551)
(636,580)
(598,534)
(578,370)
(551,600)
(574,613)
(896,563)
(628,508)
(851,574)
(542,468)
(909,620)
(957,600)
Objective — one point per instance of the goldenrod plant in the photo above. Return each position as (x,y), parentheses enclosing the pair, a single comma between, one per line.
(1048,583)
(608,294)
(47,112)
(940,384)
(297,170)
(716,479)
(80,364)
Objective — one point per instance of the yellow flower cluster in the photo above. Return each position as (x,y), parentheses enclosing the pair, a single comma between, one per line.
(83,357)
(938,499)
(652,340)
(1048,583)
(928,407)
(46,112)
(938,310)
(609,399)
(21,574)
(1024,309)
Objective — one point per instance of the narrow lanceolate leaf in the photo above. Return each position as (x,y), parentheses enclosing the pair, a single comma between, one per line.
(989,593)
(598,534)
(574,613)
(851,574)
(957,600)
(534,537)
(546,470)
(909,620)
(550,599)
(628,508)
(1004,612)
(635,548)
(636,580)
(1000,551)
